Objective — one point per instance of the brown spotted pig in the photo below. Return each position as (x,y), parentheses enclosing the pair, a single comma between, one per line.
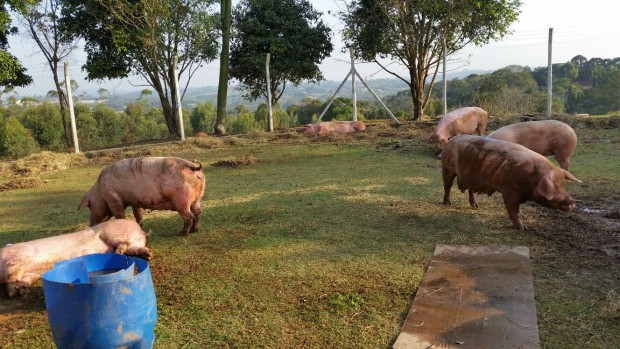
(546,137)
(483,165)
(466,120)
(156,183)
(338,127)
(23,263)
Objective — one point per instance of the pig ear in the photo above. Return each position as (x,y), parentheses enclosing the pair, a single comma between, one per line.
(85,202)
(545,187)
(570,176)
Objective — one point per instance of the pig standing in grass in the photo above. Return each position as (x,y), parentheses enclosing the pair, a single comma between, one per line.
(483,165)
(22,264)
(459,121)
(156,183)
(546,137)
(338,127)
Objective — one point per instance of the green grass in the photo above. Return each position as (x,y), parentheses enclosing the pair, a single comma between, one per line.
(323,245)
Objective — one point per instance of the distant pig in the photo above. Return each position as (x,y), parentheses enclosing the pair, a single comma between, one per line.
(23,263)
(483,165)
(546,137)
(338,127)
(156,183)
(459,121)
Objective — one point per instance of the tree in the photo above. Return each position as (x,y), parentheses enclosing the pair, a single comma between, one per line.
(222,89)
(291,31)
(143,37)
(42,24)
(12,73)
(410,32)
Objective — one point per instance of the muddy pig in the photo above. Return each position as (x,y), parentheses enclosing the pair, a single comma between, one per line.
(546,137)
(156,183)
(23,263)
(483,165)
(466,120)
(339,127)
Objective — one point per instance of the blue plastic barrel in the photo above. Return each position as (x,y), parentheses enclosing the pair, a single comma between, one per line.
(101,301)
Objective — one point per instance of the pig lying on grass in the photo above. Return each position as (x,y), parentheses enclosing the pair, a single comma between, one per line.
(338,127)
(23,263)
(156,183)
(483,165)
(459,121)
(546,137)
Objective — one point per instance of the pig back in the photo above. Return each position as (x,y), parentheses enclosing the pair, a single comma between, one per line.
(151,182)
(486,165)
(546,137)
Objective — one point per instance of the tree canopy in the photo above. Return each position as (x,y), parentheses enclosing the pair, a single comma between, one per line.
(12,73)
(143,37)
(291,31)
(411,32)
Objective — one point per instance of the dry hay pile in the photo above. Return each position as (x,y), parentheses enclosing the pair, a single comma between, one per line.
(236,162)
(24,172)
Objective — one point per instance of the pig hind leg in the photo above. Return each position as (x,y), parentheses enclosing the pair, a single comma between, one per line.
(127,249)
(188,220)
(196,211)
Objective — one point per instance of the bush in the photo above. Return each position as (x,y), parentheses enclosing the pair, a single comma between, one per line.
(203,117)
(45,123)
(15,142)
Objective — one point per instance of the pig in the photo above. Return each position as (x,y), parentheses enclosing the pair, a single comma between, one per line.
(459,121)
(156,183)
(339,127)
(484,165)
(23,263)
(546,137)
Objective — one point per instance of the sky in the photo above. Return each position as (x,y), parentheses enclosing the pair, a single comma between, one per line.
(589,28)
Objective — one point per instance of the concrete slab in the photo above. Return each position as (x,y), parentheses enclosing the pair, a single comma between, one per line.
(473,297)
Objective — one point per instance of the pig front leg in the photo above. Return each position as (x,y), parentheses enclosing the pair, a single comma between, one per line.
(512,206)
(21,285)
(472,199)
(448,179)
(137,213)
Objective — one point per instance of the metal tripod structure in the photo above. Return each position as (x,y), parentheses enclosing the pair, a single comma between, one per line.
(353,73)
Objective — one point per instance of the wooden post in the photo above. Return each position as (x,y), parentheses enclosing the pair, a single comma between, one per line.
(76,146)
(353,94)
(177,94)
(269,93)
(549,75)
(445,82)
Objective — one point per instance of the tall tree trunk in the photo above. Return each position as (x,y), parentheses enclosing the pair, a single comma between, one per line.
(222,90)
(64,105)
(417,95)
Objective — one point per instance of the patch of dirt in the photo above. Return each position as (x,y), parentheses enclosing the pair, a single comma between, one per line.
(592,228)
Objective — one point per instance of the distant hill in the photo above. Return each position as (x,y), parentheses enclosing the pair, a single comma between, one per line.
(293,94)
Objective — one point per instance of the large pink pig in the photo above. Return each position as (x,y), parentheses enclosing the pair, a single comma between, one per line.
(546,137)
(338,127)
(156,183)
(23,263)
(466,120)
(483,165)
